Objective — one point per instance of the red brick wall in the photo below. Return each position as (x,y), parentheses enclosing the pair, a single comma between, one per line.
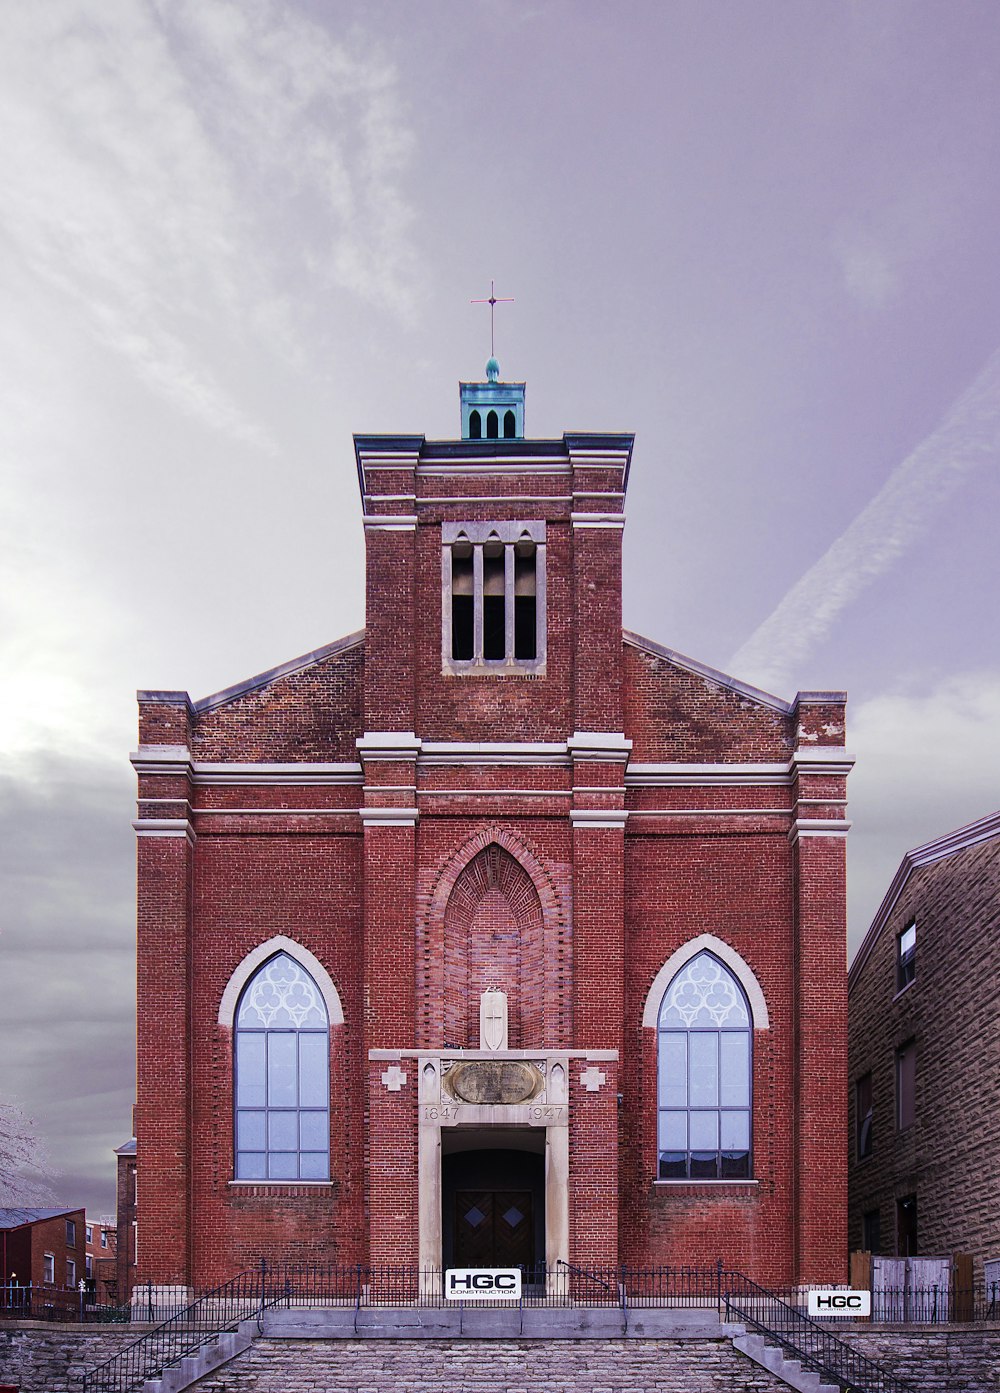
(573,921)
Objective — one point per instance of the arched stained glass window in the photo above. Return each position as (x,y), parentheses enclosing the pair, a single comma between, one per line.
(282,1068)
(704,1070)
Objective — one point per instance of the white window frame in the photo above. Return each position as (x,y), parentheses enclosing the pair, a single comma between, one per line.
(49,1269)
(479,535)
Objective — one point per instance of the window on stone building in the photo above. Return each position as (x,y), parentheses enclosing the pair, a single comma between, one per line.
(871,1232)
(906,956)
(104,1238)
(906,1085)
(704,1073)
(70,1272)
(49,1268)
(89,1231)
(282,1079)
(906,1226)
(70,1233)
(493,589)
(88,1266)
(863,1116)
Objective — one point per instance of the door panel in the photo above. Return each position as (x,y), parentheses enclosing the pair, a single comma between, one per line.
(494,1228)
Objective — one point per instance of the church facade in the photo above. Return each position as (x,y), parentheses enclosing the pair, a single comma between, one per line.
(492,934)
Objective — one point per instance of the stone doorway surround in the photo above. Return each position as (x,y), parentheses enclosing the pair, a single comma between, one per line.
(452,1092)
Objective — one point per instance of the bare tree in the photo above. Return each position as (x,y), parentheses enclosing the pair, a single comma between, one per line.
(25,1177)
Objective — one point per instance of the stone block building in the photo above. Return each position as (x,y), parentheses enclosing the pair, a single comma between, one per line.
(924,998)
(494,933)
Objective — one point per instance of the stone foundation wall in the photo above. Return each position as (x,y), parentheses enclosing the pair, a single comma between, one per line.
(41,1358)
(936,1359)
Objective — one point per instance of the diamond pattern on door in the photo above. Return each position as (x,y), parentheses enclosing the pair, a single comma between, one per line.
(493,1228)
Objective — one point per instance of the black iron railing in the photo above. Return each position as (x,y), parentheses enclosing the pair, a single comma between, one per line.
(779,1317)
(935,1305)
(223,1309)
(814,1345)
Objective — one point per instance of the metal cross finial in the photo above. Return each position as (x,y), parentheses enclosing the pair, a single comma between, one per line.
(493,301)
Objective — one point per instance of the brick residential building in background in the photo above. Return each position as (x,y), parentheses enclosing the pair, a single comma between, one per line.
(493,934)
(924,998)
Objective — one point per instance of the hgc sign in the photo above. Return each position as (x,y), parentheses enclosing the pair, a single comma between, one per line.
(840,1303)
(482,1284)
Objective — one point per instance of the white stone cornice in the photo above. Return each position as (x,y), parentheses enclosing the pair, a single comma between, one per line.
(599,745)
(389,817)
(164,827)
(389,522)
(388,744)
(379,1056)
(818,827)
(708,775)
(161,759)
(613,818)
(613,521)
(821,759)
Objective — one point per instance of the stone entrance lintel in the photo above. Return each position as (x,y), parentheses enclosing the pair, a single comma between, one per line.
(544,1105)
(389,1055)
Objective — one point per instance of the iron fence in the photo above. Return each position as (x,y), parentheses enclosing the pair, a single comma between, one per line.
(815,1345)
(221,1309)
(41,1302)
(778,1316)
(937,1304)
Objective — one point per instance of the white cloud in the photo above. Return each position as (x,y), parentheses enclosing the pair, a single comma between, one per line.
(946,740)
(897,517)
(170,167)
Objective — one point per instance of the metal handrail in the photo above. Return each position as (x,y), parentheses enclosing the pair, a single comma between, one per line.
(252,1292)
(241,1298)
(593,1277)
(811,1343)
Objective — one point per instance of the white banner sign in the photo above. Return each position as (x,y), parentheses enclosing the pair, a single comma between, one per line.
(482,1284)
(840,1303)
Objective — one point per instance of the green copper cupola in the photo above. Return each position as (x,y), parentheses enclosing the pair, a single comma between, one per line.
(492,410)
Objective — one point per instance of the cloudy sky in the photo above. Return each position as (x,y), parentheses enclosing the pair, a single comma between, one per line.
(762,236)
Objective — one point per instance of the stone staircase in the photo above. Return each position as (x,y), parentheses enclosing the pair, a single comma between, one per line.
(692,1365)
(188,1372)
(789,1371)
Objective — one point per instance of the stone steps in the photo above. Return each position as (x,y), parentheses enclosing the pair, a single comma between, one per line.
(790,1371)
(493,1366)
(220,1350)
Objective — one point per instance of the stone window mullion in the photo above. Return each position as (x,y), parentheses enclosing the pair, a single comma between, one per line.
(508,602)
(477,591)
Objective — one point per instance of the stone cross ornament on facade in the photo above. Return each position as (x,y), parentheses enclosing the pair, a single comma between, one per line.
(493,1020)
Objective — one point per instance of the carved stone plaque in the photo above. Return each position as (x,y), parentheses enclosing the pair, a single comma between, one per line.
(494,1081)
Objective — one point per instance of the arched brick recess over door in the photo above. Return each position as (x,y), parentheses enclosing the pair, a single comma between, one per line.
(494,920)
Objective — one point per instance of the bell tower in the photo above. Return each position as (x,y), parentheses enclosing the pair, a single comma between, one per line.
(492,410)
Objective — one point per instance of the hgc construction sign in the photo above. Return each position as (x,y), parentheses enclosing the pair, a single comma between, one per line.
(482,1284)
(840,1303)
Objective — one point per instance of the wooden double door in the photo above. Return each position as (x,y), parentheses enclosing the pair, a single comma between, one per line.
(494,1228)
(494,1209)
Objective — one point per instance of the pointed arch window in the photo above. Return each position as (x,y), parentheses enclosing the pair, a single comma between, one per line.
(282,1075)
(704,1039)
